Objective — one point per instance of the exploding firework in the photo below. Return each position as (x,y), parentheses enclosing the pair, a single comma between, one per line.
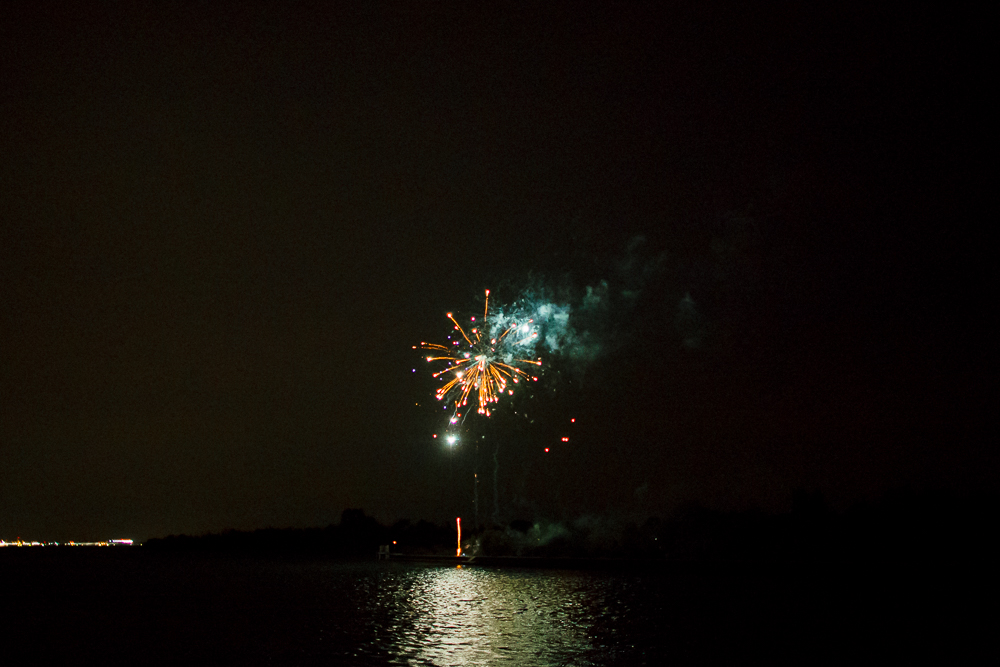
(487,360)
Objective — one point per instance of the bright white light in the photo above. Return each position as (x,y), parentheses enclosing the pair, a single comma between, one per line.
(451,439)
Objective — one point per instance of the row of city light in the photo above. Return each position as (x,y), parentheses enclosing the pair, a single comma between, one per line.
(107,543)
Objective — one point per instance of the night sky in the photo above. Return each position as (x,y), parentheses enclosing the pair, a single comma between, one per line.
(224,226)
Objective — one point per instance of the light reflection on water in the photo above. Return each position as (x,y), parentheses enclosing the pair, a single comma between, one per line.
(215,610)
(482,617)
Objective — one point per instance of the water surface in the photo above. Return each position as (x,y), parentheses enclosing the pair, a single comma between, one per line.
(214,610)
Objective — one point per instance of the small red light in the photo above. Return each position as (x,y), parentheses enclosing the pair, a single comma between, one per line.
(546,449)
(435,435)
(565,439)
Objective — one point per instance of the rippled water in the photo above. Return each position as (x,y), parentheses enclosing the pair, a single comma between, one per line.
(170,609)
(471,616)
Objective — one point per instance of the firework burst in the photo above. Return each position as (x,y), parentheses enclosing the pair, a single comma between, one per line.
(487,360)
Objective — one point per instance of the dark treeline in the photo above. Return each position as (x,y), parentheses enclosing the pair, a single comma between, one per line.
(357,534)
(902,526)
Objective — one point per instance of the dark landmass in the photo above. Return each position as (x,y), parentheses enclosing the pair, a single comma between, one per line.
(903,526)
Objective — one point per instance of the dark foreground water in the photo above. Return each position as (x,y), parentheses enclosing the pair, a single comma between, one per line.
(124,605)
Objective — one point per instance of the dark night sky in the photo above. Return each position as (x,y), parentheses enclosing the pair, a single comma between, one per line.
(224,227)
